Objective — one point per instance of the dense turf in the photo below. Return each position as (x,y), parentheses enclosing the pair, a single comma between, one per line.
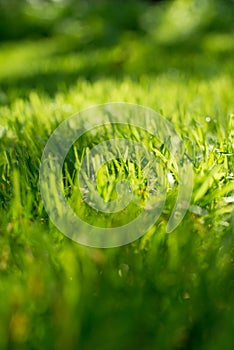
(164,291)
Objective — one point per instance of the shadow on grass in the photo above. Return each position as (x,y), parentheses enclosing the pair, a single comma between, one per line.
(61,68)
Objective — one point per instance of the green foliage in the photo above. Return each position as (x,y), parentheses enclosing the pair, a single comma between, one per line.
(164,291)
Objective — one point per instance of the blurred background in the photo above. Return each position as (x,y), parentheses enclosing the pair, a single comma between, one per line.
(47,45)
(105,21)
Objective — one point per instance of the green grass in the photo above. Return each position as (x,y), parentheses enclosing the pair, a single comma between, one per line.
(163,291)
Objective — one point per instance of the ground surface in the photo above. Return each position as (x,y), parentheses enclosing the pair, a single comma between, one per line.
(164,291)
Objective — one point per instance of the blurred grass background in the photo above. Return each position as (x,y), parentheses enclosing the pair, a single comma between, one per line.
(163,291)
(65,40)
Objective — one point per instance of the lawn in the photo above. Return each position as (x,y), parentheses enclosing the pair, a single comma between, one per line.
(163,291)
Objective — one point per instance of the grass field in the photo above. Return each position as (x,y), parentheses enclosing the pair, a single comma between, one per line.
(163,291)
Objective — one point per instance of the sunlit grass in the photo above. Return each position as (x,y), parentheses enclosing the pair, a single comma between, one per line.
(164,291)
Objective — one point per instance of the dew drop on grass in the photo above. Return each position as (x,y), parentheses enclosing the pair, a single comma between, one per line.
(170,179)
